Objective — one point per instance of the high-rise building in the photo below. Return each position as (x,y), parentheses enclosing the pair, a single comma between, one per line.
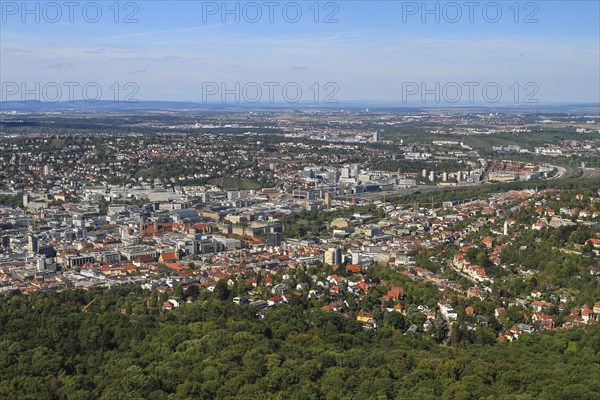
(432,176)
(124,233)
(327,200)
(273,239)
(329,256)
(32,244)
(338,260)
(40,263)
(333,256)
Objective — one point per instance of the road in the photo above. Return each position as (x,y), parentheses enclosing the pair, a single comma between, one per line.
(560,171)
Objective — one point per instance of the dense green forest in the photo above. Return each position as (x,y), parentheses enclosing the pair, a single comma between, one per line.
(123,346)
(11,201)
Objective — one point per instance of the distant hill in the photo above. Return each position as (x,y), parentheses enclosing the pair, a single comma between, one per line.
(366,106)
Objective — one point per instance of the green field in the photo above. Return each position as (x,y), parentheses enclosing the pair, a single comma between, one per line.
(235,183)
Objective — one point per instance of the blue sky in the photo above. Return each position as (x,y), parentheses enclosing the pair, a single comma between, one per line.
(376,51)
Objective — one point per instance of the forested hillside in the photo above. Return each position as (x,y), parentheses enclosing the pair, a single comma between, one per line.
(54,347)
